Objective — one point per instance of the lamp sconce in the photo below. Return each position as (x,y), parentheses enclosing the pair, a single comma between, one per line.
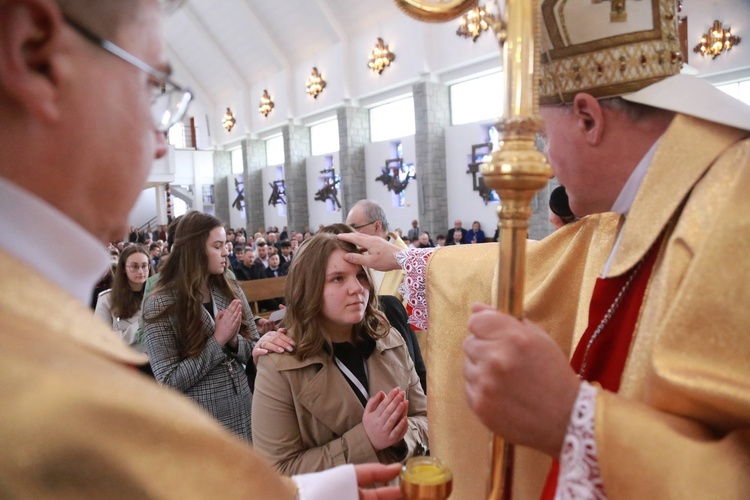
(474,22)
(479,151)
(278,192)
(390,175)
(228,121)
(315,84)
(718,39)
(381,57)
(266,104)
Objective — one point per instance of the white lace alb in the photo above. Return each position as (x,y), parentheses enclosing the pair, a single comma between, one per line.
(414,262)
(580,477)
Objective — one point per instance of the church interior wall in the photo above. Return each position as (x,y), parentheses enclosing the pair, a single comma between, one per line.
(329,66)
(144,208)
(277,89)
(318,210)
(236,216)
(375,155)
(463,202)
(270,213)
(405,40)
(434,53)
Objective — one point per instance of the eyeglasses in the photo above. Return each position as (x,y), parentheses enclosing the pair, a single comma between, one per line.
(357,228)
(133,268)
(169,101)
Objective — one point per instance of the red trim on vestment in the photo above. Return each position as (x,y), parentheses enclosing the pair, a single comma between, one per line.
(607,355)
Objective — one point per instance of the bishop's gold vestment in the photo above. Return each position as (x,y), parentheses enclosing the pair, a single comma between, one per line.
(77,422)
(392,279)
(680,425)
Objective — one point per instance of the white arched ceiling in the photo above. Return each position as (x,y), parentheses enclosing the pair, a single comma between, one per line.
(230,50)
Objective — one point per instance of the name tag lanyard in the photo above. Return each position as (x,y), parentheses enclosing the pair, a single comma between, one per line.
(353,378)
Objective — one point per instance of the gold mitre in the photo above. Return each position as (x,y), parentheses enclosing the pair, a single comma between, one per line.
(606,48)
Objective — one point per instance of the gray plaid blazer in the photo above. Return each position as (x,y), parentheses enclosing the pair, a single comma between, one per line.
(216,379)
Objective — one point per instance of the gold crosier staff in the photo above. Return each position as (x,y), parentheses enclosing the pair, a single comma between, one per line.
(516,170)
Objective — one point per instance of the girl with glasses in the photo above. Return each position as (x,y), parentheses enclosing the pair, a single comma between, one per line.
(199,328)
(349,392)
(120,306)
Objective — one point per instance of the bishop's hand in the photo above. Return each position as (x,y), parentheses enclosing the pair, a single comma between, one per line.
(380,253)
(518,381)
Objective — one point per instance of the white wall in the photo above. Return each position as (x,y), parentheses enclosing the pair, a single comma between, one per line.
(331,70)
(271,215)
(317,209)
(463,202)
(163,169)
(376,154)
(204,118)
(189,163)
(420,48)
(144,209)
(444,50)
(405,39)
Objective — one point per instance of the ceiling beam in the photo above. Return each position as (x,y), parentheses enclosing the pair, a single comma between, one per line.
(268,39)
(332,20)
(184,72)
(193,83)
(278,54)
(234,73)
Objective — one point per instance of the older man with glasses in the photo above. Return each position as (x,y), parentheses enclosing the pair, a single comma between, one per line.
(85,100)
(367,217)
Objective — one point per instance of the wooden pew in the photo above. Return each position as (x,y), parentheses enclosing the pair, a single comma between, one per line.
(257,290)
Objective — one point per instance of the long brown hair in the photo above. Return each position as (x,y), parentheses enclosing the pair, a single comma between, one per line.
(185,275)
(125,301)
(304,297)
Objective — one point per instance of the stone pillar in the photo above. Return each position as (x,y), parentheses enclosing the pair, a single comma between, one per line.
(161,204)
(539,224)
(432,116)
(296,150)
(254,158)
(354,133)
(222,170)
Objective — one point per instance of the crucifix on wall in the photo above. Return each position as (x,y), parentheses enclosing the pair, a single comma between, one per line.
(329,191)
(239,191)
(478,152)
(391,175)
(278,191)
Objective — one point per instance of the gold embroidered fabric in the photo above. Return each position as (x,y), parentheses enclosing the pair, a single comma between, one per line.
(559,270)
(77,423)
(689,358)
(679,428)
(584,50)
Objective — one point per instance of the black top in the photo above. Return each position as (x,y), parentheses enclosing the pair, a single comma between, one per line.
(209,306)
(399,319)
(353,356)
